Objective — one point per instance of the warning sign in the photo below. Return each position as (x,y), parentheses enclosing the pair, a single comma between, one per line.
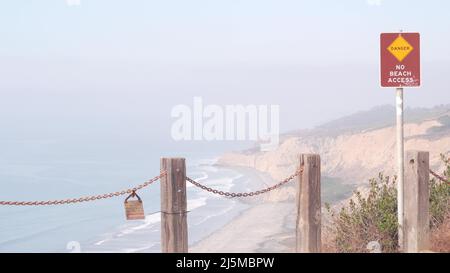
(400,59)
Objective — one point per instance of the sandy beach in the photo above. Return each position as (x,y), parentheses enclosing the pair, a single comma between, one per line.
(265,227)
(268,225)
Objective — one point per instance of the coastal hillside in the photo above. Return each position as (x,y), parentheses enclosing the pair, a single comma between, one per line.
(354,148)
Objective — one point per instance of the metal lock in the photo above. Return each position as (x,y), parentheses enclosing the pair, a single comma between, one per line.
(134,209)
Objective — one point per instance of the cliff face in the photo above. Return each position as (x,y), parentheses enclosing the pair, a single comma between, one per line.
(353,157)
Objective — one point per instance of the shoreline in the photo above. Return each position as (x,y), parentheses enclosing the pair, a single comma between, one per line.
(256,229)
(252,228)
(267,226)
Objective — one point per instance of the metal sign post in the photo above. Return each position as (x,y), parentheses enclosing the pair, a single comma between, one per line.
(400,67)
(400,162)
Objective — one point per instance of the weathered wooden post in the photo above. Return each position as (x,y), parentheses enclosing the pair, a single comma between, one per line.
(174,233)
(308,233)
(416,203)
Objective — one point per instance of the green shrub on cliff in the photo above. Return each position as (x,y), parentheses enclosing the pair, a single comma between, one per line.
(440,197)
(373,216)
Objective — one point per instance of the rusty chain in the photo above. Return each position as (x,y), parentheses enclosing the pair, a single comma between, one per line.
(439,177)
(156,178)
(244,194)
(83,199)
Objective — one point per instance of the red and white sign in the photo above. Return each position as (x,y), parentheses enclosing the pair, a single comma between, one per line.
(400,59)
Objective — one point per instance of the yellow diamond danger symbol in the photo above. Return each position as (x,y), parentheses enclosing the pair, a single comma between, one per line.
(400,48)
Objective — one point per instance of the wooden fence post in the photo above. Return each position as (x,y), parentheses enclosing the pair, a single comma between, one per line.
(416,202)
(308,231)
(174,233)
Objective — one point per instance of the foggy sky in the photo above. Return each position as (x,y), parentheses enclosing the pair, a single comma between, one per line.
(118,67)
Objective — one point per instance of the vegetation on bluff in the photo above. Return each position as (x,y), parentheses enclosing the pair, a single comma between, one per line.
(373,217)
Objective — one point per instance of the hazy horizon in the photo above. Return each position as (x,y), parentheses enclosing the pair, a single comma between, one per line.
(110,70)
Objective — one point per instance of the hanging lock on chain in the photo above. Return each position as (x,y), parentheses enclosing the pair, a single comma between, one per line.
(134,209)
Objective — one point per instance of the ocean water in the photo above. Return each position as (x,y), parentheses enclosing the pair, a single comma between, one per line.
(100,226)
(206,213)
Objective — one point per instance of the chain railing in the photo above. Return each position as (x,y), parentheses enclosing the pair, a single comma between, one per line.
(83,199)
(441,178)
(156,178)
(244,194)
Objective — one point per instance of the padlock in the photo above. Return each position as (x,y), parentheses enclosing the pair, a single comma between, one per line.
(134,209)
